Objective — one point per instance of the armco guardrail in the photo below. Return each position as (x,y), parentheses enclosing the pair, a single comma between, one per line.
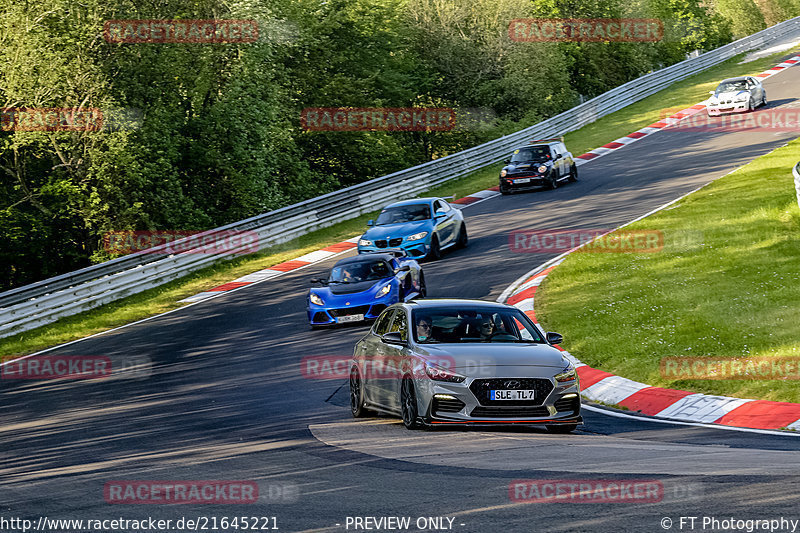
(796,174)
(44,302)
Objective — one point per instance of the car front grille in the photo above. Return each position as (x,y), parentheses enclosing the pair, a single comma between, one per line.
(447,406)
(566,405)
(481,387)
(355,310)
(381,243)
(510,412)
(321,316)
(395,242)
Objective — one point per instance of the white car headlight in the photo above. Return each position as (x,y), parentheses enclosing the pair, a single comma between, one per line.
(384,290)
(503,173)
(418,236)
(316,300)
(364,242)
(542,169)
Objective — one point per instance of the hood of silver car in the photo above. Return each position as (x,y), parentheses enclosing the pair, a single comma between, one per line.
(480,359)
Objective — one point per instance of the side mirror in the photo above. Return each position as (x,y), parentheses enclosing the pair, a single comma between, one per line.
(404,268)
(507,161)
(393,337)
(440,214)
(558,156)
(370,223)
(554,338)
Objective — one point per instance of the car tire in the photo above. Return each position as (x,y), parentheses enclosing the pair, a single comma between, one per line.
(435,252)
(423,290)
(764,99)
(504,191)
(408,404)
(562,428)
(751,106)
(357,408)
(573,173)
(463,238)
(552,183)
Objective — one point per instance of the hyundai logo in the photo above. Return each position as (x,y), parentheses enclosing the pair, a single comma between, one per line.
(512,384)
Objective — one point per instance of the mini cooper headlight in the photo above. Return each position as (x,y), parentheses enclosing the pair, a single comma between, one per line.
(316,300)
(440,374)
(384,290)
(503,173)
(364,242)
(418,236)
(542,169)
(566,375)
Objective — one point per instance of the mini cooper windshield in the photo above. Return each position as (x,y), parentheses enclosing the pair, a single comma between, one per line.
(357,272)
(404,213)
(533,153)
(457,325)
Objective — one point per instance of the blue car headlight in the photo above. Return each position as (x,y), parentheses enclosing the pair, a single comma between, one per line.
(417,236)
(384,290)
(316,300)
(364,242)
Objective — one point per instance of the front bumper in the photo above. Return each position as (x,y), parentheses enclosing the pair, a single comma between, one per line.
(737,107)
(524,182)
(455,403)
(414,249)
(328,316)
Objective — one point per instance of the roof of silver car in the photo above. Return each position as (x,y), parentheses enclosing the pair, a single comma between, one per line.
(450,302)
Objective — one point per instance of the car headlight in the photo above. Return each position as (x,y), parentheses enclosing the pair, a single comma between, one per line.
(503,173)
(316,300)
(440,374)
(417,236)
(384,290)
(364,242)
(542,169)
(566,375)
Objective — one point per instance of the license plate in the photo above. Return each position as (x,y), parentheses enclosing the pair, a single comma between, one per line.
(349,318)
(522,180)
(512,395)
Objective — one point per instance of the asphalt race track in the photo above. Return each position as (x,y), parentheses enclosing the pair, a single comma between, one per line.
(226,399)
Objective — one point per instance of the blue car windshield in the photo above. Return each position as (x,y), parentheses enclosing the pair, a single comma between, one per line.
(533,153)
(460,325)
(361,271)
(404,213)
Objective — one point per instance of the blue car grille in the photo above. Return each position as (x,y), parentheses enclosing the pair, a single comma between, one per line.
(383,243)
(355,310)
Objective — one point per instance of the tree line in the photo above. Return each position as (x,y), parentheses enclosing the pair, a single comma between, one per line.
(199,134)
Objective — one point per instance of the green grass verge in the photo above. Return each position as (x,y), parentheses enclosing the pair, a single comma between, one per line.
(726,284)
(165,298)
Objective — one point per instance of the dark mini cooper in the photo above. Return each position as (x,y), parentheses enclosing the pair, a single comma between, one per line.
(540,164)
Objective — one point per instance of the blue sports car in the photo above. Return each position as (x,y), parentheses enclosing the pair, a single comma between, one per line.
(422,227)
(359,288)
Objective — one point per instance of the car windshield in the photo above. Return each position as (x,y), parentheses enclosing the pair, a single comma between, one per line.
(533,153)
(361,271)
(462,325)
(730,86)
(404,213)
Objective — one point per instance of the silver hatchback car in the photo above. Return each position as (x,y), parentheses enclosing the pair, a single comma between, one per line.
(453,361)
